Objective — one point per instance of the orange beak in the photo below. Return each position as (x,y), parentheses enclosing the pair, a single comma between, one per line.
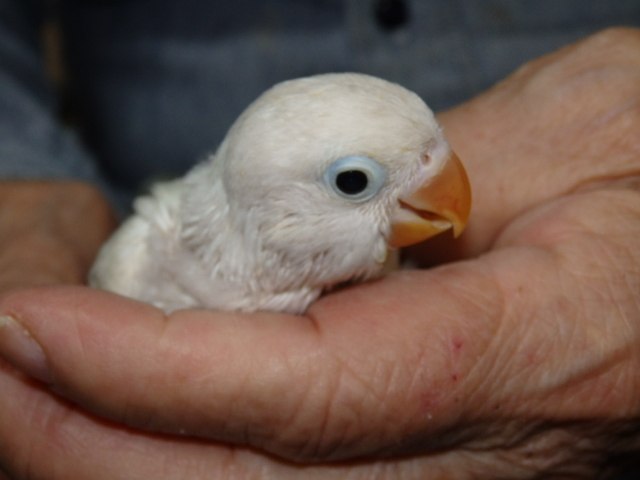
(441,203)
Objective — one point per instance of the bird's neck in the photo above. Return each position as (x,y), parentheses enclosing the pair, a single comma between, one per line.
(225,247)
(213,232)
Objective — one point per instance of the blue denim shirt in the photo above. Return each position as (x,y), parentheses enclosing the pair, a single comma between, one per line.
(155,84)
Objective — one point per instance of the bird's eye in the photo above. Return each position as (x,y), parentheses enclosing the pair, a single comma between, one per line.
(356,178)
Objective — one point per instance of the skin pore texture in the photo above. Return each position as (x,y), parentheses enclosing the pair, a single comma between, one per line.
(518,360)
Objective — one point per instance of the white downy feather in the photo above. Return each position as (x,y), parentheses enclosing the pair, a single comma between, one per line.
(255,227)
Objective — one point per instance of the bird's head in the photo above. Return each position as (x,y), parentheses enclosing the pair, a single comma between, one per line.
(339,168)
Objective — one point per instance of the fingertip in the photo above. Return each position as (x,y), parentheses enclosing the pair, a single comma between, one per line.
(64,334)
(20,349)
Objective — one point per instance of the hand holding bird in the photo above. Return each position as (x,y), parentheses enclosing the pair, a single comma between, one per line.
(518,361)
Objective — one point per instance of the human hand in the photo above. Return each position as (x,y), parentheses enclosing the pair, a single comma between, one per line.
(50,231)
(518,363)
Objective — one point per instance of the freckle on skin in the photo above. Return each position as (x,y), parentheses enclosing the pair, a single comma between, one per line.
(456,347)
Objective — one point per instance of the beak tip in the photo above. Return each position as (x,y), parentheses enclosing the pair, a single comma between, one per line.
(458,230)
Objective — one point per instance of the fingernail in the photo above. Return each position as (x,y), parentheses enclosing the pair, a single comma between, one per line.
(19,349)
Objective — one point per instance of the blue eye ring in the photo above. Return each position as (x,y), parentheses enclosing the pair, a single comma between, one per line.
(356,178)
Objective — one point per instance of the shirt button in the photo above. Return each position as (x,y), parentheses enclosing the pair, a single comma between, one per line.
(391,14)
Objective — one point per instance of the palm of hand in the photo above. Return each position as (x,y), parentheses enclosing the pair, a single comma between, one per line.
(519,361)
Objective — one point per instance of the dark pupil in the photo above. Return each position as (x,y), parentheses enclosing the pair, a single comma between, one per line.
(352,182)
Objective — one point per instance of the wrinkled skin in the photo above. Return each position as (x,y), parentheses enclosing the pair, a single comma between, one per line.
(518,361)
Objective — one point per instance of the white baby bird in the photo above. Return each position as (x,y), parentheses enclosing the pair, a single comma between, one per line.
(313,185)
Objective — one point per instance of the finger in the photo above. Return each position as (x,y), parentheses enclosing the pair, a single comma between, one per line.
(43,436)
